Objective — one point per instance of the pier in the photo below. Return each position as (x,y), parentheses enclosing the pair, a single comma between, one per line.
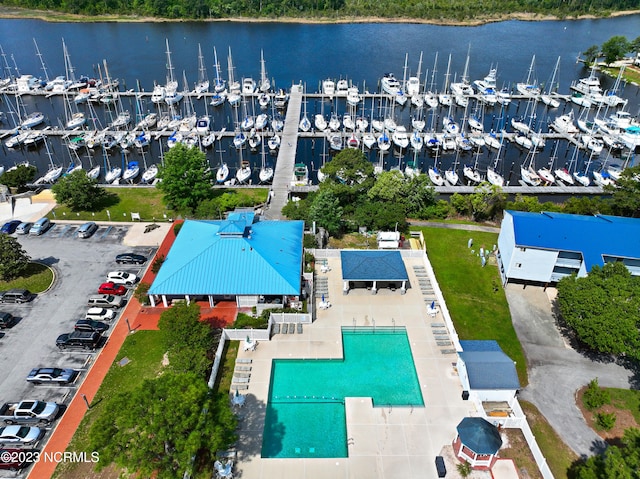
(286,156)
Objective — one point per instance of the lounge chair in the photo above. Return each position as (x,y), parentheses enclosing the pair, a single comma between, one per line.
(276,328)
(299,328)
(285,328)
(292,328)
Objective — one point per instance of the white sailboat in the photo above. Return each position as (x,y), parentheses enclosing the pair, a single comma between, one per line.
(202,86)
(434,173)
(55,171)
(547,95)
(233,96)
(266,171)
(171,95)
(529,87)
(264,85)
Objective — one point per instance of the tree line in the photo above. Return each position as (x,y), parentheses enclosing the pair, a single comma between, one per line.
(459,10)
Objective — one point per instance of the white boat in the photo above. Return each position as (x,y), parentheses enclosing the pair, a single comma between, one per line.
(328,88)
(33,138)
(400,137)
(547,96)
(416,141)
(300,175)
(113,174)
(149,121)
(530,86)
(348,123)
(261,121)
(362,124)
(451,175)
(219,84)
(247,123)
(208,140)
(529,176)
(581,178)
(158,94)
(122,120)
(353,96)
(239,140)
(254,139)
(264,84)
(274,142)
(33,119)
(494,177)
(248,86)
(581,99)
(602,178)
(266,174)
(171,93)
(491,140)
(76,121)
(280,99)
(369,140)
(390,84)
(94,172)
(564,175)
(335,141)
(149,174)
(524,141)
(334,122)
(546,176)
(592,143)
(353,141)
(504,96)
(263,100)
(384,143)
(435,177)
(471,174)
(222,173)
(131,172)
(450,125)
(564,124)
(244,172)
(341,87)
(305,124)
(418,124)
(142,140)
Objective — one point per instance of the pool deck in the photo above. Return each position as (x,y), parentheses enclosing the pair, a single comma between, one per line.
(383,442)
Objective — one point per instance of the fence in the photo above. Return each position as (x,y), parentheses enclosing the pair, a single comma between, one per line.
(290,318)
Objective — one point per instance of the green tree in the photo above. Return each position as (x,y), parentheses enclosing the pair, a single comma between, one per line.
(19,177)
(187,339)
(389,186)
(350,166)
(634,45)
(326,211)
(79,192)
(591,54)
(625,196)
(186,178)
(603,309)
(13,259)
(487,201)
(614,48)
(161,425)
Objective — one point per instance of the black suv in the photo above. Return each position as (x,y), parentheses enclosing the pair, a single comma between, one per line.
(7,320)
(79,340)
(90,325)
(130,258)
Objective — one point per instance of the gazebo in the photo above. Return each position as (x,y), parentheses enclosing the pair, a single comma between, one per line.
(477,442)
(373,269)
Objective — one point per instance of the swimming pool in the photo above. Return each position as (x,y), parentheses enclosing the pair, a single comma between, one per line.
(305,414)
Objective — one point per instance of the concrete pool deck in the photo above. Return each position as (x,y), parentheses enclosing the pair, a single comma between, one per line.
(383,442)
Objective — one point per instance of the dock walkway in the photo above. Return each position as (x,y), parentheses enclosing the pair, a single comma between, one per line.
(283,173)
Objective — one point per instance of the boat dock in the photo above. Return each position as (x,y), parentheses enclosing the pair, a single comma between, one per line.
(286,156)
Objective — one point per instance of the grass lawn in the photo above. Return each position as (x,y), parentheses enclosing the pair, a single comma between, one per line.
(145,351)
(558,455)
(626,399)
(474,294)
(144,200)
(37,278)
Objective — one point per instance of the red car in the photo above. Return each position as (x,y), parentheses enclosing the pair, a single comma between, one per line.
(112,288)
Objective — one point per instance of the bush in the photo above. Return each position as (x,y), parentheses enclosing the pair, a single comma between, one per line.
(177,227)
(595,396)
(157,264)
(309,241)
(141,293)
(605,420)
(464,468)
(244,321)
(439,211)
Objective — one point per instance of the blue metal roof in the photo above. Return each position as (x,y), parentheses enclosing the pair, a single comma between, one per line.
(593,236)
(488,367)
(373,266)
(233,257)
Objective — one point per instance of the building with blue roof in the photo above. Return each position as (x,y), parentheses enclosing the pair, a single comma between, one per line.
(373,269)
(240,258)
(545,247)
(487,372)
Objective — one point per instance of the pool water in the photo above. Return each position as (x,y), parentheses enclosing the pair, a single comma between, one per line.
(305,414)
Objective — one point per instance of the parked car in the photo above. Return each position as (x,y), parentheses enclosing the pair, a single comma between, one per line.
(90,325)
(40,226)
(130,258)
(10,226)
(122,277)
(105,301)
(20,435)
(87,230)
(15,459)
(112,288)
(52,376)
(100,314)
(79,340)
(16,296)
(23,228)
(7,320)
(29,412)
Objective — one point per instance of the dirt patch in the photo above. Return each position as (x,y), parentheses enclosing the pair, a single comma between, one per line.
(515,447)
(624,419)
(86,470)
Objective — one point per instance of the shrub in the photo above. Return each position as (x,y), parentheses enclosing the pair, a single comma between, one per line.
(309,241)
(141,293)
(595,396)
(464,468)
(605,420)
(177,227)
(157,264)
(246,321)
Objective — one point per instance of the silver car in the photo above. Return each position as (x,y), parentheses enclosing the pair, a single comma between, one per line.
(87,230)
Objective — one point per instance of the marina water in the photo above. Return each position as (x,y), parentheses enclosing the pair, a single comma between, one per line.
(306,54)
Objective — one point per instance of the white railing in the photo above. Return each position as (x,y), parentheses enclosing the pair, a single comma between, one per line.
(217,360)
(535,450)
(242,334)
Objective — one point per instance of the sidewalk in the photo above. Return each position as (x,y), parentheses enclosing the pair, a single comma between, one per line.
(67,425)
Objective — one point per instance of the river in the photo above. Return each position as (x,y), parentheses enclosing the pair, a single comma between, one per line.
(307,53)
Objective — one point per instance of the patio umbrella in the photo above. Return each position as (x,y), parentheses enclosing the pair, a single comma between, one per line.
(323,297)
(238,399)
(433,305)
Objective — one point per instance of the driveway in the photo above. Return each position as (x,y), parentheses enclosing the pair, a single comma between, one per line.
(556,370)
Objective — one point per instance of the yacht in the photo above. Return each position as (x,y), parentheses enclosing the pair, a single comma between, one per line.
(390,84)
(328,88)
(248,86)
(400,137)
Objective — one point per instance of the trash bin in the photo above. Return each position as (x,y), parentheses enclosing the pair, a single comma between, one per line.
(465,395)
(440,467)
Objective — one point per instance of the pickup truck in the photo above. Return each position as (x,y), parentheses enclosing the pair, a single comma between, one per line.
(79,340)
(28,412)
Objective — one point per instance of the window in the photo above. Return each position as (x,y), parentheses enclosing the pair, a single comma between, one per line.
(518,265)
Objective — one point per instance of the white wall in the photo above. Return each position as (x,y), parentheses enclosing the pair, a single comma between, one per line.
(507,395)
(531,264)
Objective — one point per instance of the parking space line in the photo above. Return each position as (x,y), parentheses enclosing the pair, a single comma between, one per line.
(106,232)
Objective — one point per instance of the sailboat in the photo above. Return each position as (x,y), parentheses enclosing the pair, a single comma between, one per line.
(305,124)
(149,174)
(131,172)
(493,176)
(171,95)
(244,172)
(430,97)
(529,87)
(233,97)
(264,85)
(266,172)
(546,96)
(112,173)
(202,86)
(222,172)
(527,171)
(55,171)
(434,174)
(562,174)
(462,90)
(471,173)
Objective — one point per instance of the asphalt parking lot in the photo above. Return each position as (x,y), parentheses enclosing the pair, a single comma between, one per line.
(80,266)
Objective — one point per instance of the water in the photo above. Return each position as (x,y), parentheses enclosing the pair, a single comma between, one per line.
(295,53)
(305,411)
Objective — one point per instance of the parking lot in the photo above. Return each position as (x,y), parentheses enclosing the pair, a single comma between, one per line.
(80,266)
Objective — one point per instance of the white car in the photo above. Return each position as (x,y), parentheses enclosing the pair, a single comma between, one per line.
(100,314)
(122,277)
(20,435)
